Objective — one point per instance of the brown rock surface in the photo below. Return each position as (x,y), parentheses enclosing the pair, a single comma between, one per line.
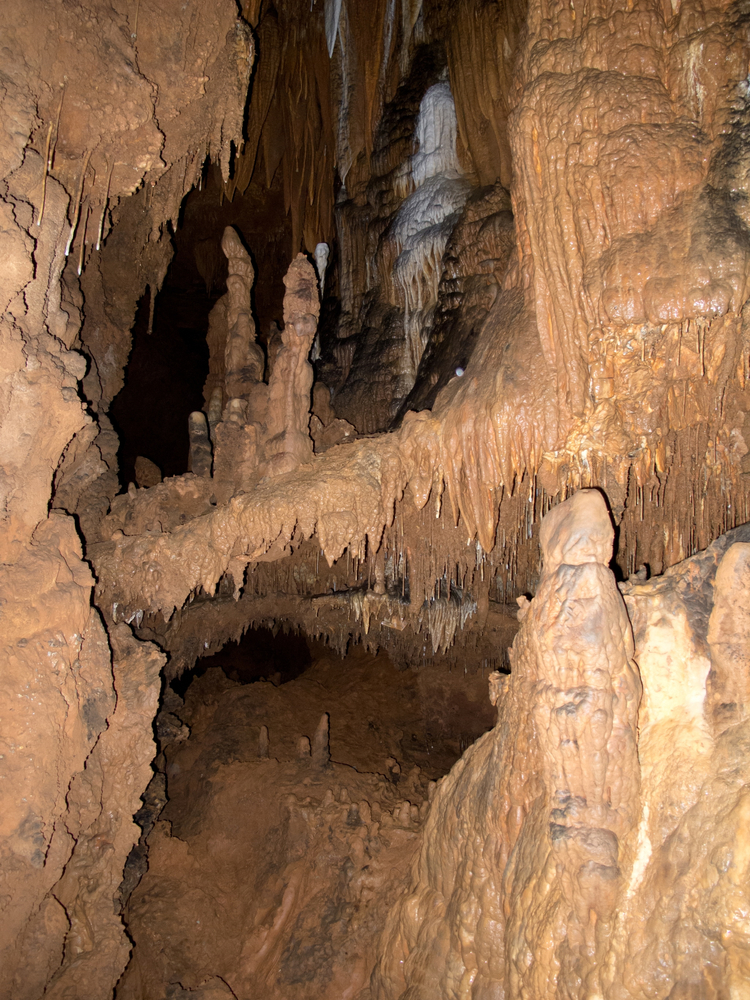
(82,89)
(272,868)
(556,859)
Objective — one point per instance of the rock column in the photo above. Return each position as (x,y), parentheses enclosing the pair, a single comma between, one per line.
(288,443)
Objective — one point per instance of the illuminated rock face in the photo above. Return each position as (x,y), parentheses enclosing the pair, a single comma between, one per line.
(592,843)
(80,136)
(427,217)
(561,856)
(544,808)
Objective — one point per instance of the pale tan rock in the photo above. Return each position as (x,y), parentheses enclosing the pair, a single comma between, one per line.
(728,684)
(236,361)
(243,358)
(287,439)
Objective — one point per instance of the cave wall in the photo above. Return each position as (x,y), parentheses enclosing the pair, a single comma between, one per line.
(105,119)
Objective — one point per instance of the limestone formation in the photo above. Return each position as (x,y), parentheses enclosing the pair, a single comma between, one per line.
(530,375)
(213,414)
(200,445)
(320,256)
(321,753)
(728,693)
(427,217)
(243,358)
(322,251)
(287,439)
(236,361)
(265,428)
(326,429)
(580,796)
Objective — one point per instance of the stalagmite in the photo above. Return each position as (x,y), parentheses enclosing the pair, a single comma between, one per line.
(287,438)
(214,410)
(243,358)
(321,753)
(200,445)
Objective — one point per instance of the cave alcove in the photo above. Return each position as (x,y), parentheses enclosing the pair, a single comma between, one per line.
(168,363)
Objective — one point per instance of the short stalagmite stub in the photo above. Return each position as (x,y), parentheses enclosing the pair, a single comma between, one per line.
(200,444)
(321,752)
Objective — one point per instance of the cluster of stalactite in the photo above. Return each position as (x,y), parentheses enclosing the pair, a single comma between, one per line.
(418,506)
(290,126)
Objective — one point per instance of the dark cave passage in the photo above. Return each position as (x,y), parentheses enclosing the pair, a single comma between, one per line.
(275,655)
(167,368)
(163,381)
(423,715)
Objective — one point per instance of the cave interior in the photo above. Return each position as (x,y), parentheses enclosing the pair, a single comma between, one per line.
(375,550)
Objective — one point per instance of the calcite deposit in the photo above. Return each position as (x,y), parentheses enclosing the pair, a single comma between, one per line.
(561,856)
(458,296)
(287,441)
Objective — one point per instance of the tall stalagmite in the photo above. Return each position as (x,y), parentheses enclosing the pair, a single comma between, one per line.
(561,856)
(286,432)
